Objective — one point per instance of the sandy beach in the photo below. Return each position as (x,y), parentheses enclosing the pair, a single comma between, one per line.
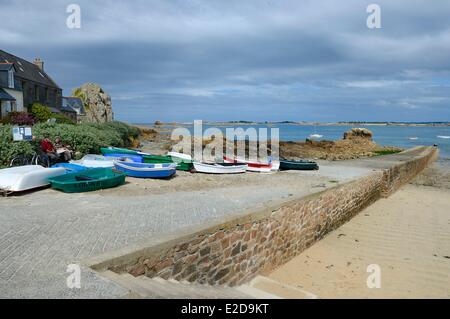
(407,235)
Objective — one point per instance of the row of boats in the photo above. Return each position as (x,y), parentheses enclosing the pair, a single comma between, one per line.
(228,166)
(94,172)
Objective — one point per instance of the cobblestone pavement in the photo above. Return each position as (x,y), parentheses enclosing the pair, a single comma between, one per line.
(44,231)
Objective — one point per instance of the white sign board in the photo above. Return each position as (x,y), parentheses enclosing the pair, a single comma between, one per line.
(22,133)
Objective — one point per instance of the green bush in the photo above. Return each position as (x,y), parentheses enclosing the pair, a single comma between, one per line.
(84,138)
(62,119)
(41,112)
(125,131)
(10,149)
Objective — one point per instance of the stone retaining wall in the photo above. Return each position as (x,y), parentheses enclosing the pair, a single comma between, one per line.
(236,251)
(404,172)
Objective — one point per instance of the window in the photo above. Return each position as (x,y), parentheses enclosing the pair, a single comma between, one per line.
(8,107)
(11,79)
(36,93)
(47,95)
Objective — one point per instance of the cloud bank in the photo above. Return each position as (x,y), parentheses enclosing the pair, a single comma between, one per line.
(245,60)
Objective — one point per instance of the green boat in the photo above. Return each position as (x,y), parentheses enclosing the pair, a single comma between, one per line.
(118,150)
(183,165)
(298,165)
(88,180)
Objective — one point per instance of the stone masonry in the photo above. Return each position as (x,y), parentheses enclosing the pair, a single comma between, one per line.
(236,251)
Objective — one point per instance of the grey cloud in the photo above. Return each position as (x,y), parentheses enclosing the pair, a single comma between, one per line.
(228,60)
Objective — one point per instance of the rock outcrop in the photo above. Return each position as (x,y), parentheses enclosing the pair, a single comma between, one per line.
(358,133)
(356,143)
(97,103)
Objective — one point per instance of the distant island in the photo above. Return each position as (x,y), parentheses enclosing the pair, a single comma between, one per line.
(307,123)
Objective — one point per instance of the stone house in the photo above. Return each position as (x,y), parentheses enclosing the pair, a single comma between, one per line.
(73,108)
(23,83)
(11,97)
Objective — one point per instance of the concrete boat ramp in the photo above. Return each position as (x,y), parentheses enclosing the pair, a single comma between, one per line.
(43,232)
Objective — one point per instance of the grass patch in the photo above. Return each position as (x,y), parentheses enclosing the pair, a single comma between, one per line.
(386,152)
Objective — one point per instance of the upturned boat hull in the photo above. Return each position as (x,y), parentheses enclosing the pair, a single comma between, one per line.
(23,178)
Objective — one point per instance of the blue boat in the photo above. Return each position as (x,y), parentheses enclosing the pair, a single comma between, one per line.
(144,170)
(124,157)
(71,168)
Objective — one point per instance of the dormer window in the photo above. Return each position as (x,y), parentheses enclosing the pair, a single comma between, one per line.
(11,79)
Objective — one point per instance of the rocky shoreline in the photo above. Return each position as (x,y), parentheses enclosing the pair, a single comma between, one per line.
(356,143)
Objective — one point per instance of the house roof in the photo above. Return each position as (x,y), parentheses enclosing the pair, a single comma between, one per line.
(6,66)
(72,103)
(54,110)
(4,96)
(67,108)
(27,70)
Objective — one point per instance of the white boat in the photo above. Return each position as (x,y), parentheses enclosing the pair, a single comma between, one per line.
(180,155)
(215,168)
(413,138)
(95,161)
(22,178)
(252,166)
(443,136)
(275,164)
(315,135)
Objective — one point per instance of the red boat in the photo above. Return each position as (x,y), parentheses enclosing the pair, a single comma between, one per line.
(251,166)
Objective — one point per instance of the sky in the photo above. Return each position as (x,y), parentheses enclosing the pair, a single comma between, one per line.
(256,60)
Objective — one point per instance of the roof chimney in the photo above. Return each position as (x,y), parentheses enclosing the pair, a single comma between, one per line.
(39,63)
